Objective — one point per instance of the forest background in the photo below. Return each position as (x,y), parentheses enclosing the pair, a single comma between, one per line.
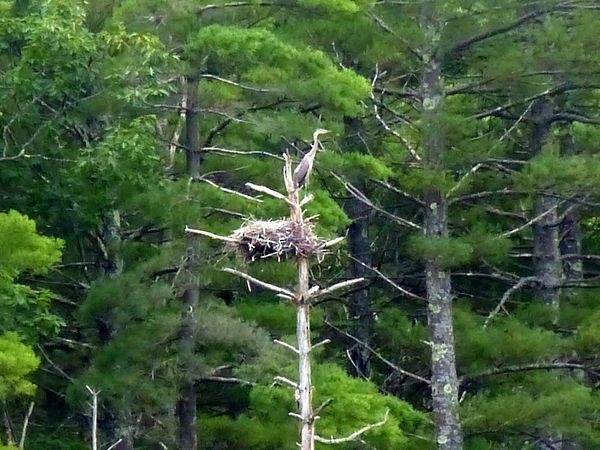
(463,170)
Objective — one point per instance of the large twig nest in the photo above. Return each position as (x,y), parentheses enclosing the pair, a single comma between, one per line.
(276,238)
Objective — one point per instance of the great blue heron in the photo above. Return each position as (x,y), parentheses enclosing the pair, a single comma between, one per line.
(304,168)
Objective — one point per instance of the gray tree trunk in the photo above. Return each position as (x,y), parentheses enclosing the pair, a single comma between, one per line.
(111,257)
(360,310)
(570,228)
(547,260)
(444,381)
(186,410)
(359,304)
(307,431)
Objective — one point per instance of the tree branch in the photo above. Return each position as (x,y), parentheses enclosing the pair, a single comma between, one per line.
(256,281)
(353,436)
(378,355)
(522,282)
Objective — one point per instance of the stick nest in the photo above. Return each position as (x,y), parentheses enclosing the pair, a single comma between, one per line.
(276,238)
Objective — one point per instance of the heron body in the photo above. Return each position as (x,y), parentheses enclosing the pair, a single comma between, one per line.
(304,168)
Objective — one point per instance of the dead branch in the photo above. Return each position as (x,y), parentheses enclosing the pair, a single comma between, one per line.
(268,191)
(530,222)
(210,235)
(25,425)
(286,345)
(236,84)
(527,367)
(232,380)
(355,435)
(228,151)
(378,355)
(337,286)
(383,123)
(286,381)
(94,407)
(230,191)
(361,197)
(318,344)
(258,282)
(522,282)
(389,281)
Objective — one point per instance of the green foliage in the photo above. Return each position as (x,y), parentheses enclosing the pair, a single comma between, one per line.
(263,58)
(17,361)
(22,308)
(446,251)
(355,403)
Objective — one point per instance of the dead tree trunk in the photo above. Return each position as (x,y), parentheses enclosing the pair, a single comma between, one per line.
(444,380)
(187,395)
(307,420)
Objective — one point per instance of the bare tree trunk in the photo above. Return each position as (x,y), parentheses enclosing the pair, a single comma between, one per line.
(307,433)
(186,410)
(444,380)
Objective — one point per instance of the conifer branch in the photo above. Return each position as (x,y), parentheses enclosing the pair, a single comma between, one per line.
(385,27)
(205,8)
(528,367)
(470,42)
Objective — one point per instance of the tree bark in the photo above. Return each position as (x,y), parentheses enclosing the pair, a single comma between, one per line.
(307,432)
(192,128)
(112,259)
(186,410)
(547,259)
(360,310)
(570,228)
(359,304)
(546,254)
(444,380)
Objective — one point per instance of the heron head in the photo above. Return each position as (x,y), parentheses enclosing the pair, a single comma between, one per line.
(318,132)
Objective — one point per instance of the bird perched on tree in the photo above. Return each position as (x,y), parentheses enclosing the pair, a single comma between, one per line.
(304,168)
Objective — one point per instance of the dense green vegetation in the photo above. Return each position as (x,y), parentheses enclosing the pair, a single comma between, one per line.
(463,170)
